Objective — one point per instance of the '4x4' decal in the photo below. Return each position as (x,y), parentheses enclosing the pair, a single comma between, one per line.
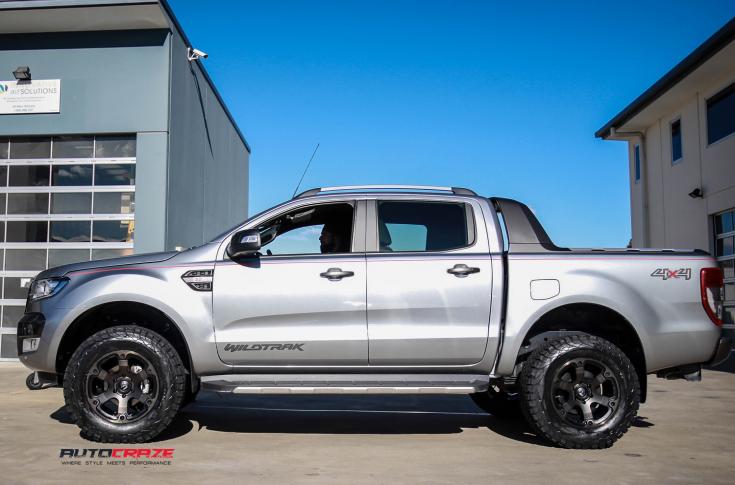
(666,273)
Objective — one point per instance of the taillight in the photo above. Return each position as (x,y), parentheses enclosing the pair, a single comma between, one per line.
(711,285)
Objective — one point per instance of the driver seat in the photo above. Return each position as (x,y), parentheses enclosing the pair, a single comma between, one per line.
(384,239)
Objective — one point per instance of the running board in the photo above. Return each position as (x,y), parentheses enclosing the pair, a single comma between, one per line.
(347,383)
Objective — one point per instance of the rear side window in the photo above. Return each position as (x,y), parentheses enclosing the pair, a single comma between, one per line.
(424,226)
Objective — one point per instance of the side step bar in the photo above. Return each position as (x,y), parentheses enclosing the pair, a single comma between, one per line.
(347,383)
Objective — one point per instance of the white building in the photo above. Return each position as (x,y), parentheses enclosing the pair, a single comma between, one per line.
(681,154)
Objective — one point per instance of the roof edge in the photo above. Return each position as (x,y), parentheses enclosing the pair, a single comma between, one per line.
(169,11)
(715,43)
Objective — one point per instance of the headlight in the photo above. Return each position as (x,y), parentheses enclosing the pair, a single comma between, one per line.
(46,287)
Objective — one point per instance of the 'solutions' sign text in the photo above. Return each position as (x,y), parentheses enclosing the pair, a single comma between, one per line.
(24,97)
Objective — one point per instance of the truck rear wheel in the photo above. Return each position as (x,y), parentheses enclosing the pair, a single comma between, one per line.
(579,392)
(124,384)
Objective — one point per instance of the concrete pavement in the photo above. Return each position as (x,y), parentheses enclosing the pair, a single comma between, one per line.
(686,434)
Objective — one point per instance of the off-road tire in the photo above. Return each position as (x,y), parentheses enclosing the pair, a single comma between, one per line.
(538,402)
(171,388)
(498,403)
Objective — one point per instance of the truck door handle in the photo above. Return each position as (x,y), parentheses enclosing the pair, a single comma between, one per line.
(462,270)
(336,274)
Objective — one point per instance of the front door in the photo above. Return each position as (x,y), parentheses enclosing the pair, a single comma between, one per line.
(429,284)
(302,301)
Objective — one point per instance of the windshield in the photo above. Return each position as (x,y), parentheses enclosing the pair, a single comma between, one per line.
(221,236)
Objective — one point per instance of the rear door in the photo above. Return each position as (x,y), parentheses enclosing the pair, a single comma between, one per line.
(429,281)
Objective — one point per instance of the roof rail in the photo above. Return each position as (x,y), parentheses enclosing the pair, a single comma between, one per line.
(340,188)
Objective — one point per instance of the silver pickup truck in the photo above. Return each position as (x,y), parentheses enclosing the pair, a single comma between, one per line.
(377,290)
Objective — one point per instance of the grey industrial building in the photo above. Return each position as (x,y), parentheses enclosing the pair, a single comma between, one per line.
(113,140)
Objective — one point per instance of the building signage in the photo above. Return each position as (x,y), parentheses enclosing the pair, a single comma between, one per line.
(25,97)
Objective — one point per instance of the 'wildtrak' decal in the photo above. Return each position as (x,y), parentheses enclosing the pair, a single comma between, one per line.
(248,347)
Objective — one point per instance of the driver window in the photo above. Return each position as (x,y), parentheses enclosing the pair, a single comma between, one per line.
(318,229)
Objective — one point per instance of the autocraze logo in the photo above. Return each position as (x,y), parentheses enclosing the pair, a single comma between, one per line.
(116,456)
(249,347)
(668,274)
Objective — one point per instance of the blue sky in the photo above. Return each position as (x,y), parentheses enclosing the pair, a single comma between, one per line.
(500,97)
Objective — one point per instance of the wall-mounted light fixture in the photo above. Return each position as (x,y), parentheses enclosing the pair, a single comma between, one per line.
(22,73)
(696,193)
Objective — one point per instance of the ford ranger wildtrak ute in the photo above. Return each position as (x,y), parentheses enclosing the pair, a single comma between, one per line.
(377,290)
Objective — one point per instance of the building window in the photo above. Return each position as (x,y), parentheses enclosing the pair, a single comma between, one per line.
(114,174)
(27,203)
(725,253)
(65,175)
(63,199)
(73,146)
(676,153)
(721,115)
(29,175)
(24,148)
(637,162)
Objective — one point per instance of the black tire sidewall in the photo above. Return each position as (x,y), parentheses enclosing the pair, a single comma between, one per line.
(619,412)
(536,396)
(167,367)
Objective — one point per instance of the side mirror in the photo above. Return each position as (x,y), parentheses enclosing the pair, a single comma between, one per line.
(244,243)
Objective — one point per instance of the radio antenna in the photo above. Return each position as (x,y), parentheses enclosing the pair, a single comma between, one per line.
(305,170)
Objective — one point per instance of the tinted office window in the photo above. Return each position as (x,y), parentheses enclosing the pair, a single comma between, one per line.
(114,203)
(11,317)
(29,176)
(69,231)
(422,226)
(30,147)
(3,176)
(637,159)
(2,203)
(27,231)
(63,203)
(721,114)
(112,231)
(17,288)
(676,141)
(115,146)
(25,259)
(3,149)
(27,203)
(58,257)
(9,343)
(724,223)
(73,146)
(114,174)
(65,175)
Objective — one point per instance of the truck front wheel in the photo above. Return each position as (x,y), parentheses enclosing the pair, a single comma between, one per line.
(124,384)
(579,391)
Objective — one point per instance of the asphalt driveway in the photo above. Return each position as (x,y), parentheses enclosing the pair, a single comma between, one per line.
(685,433)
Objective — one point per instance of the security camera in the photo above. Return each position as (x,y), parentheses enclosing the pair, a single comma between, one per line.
(195,54)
